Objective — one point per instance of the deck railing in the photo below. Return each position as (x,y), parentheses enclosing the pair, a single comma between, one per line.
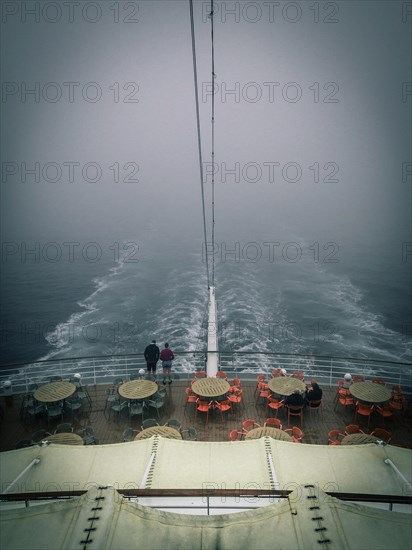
(244,365)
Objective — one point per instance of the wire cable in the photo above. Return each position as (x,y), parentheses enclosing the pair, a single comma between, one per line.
(213,142)
(199,140)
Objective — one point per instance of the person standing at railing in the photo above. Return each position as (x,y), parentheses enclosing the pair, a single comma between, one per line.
(167,356)
(152,354)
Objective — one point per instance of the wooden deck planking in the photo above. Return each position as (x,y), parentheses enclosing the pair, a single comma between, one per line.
(315,430)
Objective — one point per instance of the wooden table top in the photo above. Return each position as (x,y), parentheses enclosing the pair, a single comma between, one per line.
(359,439)
(138,389)
(163,431)
(64,439)
(210,387)
(284,385)
(370,392)
(274,433)
(54,391)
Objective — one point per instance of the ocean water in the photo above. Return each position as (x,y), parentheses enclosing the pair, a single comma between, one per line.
(281,299)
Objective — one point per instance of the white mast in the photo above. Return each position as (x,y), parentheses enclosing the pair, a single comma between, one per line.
(212,342)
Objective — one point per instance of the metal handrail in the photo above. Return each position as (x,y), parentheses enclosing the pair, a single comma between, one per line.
(245,365)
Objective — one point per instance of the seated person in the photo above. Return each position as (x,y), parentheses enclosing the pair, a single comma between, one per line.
(347,381)
(295,399)
(314,393)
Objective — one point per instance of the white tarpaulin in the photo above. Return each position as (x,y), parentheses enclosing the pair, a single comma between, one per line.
(196,464)
(102,520)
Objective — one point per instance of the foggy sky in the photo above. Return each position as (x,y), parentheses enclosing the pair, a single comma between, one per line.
(366,133)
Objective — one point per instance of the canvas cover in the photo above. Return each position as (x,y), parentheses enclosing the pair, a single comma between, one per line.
(262,463)
(102,520)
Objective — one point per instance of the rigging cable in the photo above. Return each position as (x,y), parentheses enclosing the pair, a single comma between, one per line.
(213,144)
(199,141)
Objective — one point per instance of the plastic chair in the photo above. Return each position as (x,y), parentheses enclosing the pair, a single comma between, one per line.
(297,411)
(334,437)
(54,410)
(149,423)
(379,381)
(264,392)
(236,382)
(83,394)
(190,397)
(221,374)
(64,428)
(353,429)
(345,398)
(340,387)
(295,433)
(39,435)
(235,435)
(396,402)
(358,378)
(189,434)
(200,374)
(118,407)
(298,375)
(111,398)
(236,398)
(248,425)
(384,412)
(73,404)
(27,401)
(223,406)
(382,434)
(261,378)
(273,423)
(203,407)
(89,437)
(156,404)
(136,408)
(363,410)
(161,393)
(33,410)
(276,372)
(275,404)
(174,423)
(129,434)
(315,406)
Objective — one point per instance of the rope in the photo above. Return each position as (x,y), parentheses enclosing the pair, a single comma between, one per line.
(213,143)
(199,141)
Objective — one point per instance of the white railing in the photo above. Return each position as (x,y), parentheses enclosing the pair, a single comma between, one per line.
(245,365)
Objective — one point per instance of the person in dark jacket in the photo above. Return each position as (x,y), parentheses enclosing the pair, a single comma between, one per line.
(167,356)
(314,393)
(295,399)
(152,354)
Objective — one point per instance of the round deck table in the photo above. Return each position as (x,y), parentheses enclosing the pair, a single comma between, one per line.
(64,439)
(370,392)
(359,439)
(210,387)
(274,433)
(54,391)
(138,389)
(163,431)
(283,385)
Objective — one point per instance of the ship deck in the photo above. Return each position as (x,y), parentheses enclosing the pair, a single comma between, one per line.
(315,428)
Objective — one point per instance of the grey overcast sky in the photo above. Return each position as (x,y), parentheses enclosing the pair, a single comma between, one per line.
(319,115)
